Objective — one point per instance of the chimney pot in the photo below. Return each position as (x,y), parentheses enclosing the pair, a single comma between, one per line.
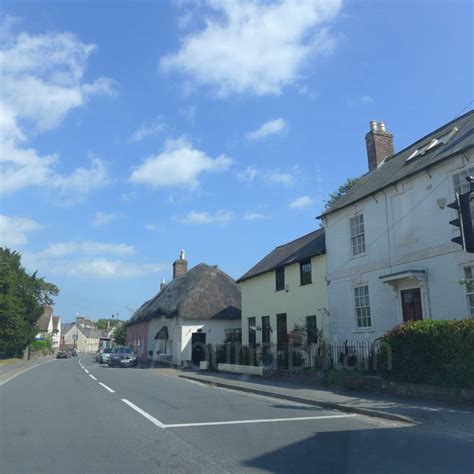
(180,265)
(379,144)
(162,284)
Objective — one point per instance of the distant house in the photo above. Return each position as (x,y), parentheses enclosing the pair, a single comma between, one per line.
(82,334)
(390,257)
(45,324)
(198,307)
(287,288)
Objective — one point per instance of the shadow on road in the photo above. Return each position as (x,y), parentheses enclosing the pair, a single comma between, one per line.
(392,450)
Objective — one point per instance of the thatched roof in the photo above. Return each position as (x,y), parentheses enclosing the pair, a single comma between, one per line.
(43,321)
(204,292)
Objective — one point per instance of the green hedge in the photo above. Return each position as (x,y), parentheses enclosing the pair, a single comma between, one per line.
(432,352)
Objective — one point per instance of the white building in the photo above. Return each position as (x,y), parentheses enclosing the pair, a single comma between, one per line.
(45,324)
(56,336)
(388,240)
(198,307)
(285,290)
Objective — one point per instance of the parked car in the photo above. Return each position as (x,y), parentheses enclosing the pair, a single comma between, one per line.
(105,355)
(62,355)
(122,356)
(98,354)
(74,352)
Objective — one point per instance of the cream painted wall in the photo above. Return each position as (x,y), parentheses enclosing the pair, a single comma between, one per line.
(259,298)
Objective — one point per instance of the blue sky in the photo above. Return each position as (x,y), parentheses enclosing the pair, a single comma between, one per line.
(130,130)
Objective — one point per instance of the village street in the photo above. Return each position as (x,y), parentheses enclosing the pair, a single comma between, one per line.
(75,415)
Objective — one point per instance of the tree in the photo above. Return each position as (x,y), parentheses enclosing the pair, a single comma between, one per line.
(102,323)
(120,335)
(22,298)
(341,191)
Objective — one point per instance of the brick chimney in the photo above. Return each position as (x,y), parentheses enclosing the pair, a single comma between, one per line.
(163,282)
(180,266)
(379,144)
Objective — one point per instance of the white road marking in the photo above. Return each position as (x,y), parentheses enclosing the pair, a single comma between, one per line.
(92,377)
(144,413)
(23,371)
(86,371)
(107,388)
(267,420)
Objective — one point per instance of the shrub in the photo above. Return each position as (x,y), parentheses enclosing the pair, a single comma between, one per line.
(432,352)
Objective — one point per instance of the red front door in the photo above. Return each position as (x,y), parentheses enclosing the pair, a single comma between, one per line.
(411,305)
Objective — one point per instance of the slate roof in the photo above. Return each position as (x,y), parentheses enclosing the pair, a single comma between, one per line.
(43,321)
(91,333)
(396,168)
(65,328)
(304,247)
(203,292)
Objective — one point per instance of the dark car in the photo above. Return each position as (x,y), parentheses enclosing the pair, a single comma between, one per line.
(74,352)
(122,356)
(62,355)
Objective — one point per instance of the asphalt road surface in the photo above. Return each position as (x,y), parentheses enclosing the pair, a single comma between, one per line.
(76,416)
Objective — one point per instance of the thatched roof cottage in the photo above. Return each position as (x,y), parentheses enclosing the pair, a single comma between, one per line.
(199,306)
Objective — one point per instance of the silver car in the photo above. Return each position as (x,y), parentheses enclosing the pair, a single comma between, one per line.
(104,355)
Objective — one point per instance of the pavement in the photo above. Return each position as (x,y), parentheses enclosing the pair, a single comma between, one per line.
(12,367)
(77,416)
(452,419)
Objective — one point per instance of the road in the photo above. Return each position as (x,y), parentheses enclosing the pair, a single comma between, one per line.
(76,416)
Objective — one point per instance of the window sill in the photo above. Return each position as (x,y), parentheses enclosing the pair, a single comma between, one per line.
(306,284)
(359,255)
(363,330)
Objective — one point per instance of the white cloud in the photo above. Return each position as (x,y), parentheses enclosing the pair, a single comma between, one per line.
(254,216)
(155,227)
(105,268)
(102,218)
(275,176)
(219,217)
(271,127)
(248,174)
(14,230)
(254,46)
(146,131)
(279,178)
(89,260)
(301,202)
(89,247)
(178,165)
(367,99)
(42,81)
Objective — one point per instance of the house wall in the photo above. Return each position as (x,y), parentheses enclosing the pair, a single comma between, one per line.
(259,298)
(137,339)
(83,343)
(406,228)
(57,337)
(162,350)
(177,349)
(44,334)
(214,330)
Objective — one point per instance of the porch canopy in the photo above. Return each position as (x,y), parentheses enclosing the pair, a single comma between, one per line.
(162,333)
(394,279)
